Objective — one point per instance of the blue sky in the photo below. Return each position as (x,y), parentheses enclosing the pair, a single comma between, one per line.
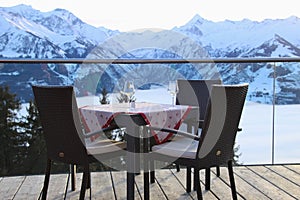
(138,14)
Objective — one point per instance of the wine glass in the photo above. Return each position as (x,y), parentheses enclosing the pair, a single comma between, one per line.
(173,90)
(128,89)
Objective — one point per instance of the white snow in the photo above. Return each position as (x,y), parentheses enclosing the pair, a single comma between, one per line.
(246,33)
(36,29)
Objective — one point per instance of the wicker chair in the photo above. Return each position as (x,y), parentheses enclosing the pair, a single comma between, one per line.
(214,147)
(195,93)
(64,136)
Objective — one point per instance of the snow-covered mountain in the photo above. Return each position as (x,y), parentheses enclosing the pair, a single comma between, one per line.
(29,33)
(228,36)
(59,33)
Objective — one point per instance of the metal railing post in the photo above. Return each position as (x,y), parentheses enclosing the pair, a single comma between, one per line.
(273,112)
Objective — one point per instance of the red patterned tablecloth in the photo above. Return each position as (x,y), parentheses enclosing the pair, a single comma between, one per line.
(95,117)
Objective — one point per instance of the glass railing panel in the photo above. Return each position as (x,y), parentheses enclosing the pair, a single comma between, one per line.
(287,113)
(255,139)
(254,142)
(20,76)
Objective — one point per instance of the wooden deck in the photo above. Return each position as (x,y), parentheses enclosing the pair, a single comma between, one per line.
(253,182)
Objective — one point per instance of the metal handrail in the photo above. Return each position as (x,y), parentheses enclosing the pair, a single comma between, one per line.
(148,61)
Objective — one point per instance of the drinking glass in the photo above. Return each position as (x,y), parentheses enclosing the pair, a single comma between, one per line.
(128,89)
(173,90)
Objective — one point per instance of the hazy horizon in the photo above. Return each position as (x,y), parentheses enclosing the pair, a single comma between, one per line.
(144,14)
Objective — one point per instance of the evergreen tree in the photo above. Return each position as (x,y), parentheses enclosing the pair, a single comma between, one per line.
(35,155)
(35,158)
(236,155)
(10,140)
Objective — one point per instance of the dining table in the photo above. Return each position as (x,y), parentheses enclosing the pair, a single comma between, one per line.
(133,117)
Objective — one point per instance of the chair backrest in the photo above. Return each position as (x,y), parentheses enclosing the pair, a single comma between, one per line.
(61,125)
(221,124)
(195,93)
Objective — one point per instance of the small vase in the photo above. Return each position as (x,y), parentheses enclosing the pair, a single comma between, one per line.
(132,104)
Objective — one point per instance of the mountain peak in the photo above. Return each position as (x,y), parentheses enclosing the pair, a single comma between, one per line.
(293,18)
(61,10)
(21,9)
(66,15)
(197,19)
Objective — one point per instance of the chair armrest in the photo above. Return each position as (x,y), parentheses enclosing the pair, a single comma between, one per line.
(110,128)
(183,133)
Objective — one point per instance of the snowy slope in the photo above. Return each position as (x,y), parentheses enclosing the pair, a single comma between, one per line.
(29,33)
(240,34)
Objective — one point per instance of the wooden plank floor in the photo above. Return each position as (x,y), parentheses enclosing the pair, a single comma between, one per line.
(253,182)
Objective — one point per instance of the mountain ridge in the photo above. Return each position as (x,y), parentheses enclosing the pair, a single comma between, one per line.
(29,33)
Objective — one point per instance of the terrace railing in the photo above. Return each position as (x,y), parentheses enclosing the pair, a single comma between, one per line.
(270,129)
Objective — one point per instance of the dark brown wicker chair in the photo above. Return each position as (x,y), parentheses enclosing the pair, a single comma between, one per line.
(214,147)
(197,93)
(64,136)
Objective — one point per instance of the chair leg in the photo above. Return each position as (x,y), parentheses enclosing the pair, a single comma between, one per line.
(218,171)
(73,177)
(68,180)
(88,185)
(188,179)
(177,168)
(152,172)
(232,182)
(152,177)
(89,182)
(207,179)
(197,183)
(84,181)
(46,180)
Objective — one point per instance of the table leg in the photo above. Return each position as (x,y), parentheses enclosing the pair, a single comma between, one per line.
(130,186)
(146,162)
(146,185)
(132,123)
(133,148)
(130,167)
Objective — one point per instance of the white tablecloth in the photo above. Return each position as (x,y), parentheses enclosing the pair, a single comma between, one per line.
(95,117)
